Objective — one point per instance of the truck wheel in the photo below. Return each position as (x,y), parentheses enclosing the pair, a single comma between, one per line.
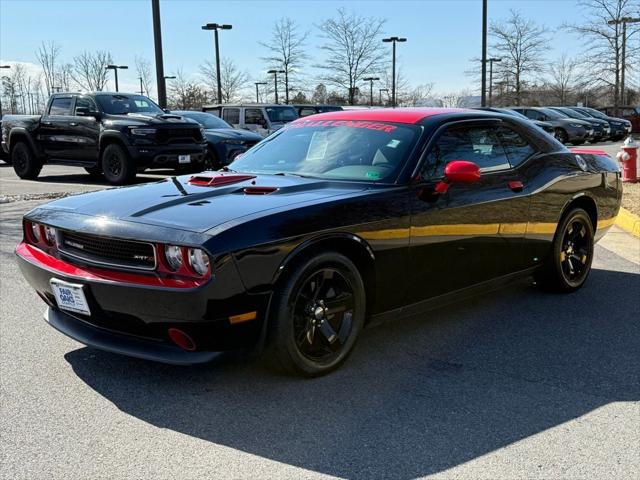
(117,166)
(569,263)
(316,316)
(94,172)
(24,161)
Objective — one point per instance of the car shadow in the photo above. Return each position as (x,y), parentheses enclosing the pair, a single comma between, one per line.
(418,396)
(85,179)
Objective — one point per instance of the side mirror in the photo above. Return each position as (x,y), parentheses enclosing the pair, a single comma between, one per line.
(85,112)
(461,171)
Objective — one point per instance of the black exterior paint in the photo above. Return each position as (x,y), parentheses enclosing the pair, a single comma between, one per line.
(78,140)
(410,244)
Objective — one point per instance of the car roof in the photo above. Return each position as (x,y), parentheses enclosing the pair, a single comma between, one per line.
(395,115)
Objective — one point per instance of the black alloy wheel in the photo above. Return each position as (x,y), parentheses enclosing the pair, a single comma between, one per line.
(318,315)
(117,166)
(570,264)
(24,162)
(561,135)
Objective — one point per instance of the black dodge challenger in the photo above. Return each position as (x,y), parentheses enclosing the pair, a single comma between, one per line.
(333,222)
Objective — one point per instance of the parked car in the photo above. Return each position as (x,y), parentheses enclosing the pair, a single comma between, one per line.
(630,113)
(337,221)
(547,127)
(306,110)
(4,156)
(264,119)
(224,142)
(620,127)
(601,128)
(566,130)
(114,134)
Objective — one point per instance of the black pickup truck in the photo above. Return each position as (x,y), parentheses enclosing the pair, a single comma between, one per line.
(110,134)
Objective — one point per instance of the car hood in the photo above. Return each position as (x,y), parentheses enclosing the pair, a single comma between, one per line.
(576,121)
(155,120)
(231,134)
(177,203)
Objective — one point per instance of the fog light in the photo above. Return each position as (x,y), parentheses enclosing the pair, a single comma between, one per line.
(199,261)
(173,254)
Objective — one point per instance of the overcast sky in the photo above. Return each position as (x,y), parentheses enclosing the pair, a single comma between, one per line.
(443,36)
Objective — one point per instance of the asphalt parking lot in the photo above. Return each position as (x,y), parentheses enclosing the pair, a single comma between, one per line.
(515,384)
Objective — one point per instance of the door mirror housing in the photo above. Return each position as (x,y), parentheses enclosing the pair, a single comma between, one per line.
(86,112)
(462,171)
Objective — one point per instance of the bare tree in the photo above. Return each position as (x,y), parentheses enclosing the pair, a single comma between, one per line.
(417,96)
(47,55)
(64,77)
(319,94)
(186,94)
(143,68)
(232,80)
(286,50)
(461,99)
(602,28)
(563,77)
(89,70)
(354,50)
(521,44)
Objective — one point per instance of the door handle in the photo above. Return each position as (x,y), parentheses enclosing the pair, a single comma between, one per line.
(516,185)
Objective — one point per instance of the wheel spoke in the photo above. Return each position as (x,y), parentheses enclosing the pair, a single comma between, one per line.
(328,332)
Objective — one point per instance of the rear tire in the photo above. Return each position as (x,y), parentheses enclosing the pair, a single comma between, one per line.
(24,161)
(117,166)
(316,316)
(569,263)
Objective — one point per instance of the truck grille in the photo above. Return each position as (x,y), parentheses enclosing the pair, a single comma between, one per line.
(108,251)
(179,135)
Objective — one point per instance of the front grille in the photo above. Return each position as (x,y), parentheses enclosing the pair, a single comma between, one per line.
(179,135)
(107,251)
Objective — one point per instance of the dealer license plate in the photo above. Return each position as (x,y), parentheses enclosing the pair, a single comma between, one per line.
(184,158)
(70,296)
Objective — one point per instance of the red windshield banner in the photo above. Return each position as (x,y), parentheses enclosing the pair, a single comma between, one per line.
(382,127)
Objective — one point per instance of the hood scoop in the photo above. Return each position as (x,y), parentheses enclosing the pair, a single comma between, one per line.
(218,180)
(259,190)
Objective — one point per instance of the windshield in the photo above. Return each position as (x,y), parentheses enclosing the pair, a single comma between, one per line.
(512,112)
(572,113)
(117,104)
(332,149)
(552,113)
(281,114)
(595,113)
(207,120)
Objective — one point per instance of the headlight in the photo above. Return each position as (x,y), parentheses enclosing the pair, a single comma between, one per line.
(199,261)
(173,254)
(232,142)
(143,131)
(617,124)
(202,133)
(576,125)
(50,235)
(35,231)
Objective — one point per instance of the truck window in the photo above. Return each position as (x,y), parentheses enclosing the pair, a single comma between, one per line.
(253,116)
(60,106)
(84,102)
(231,115)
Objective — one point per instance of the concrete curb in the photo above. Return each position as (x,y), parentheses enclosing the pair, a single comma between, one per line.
(629,222)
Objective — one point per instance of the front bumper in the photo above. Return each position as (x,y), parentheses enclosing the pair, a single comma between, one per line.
(134,318)
(159,156)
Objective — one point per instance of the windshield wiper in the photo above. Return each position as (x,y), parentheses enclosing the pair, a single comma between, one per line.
(286,174)
(227,169)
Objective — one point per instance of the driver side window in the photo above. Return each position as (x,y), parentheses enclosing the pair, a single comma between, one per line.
(253,116)
(477,144)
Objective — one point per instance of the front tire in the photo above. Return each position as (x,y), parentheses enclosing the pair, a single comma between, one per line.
(569,265)
(561,135)
(26,165)
(317,315)
(117,166)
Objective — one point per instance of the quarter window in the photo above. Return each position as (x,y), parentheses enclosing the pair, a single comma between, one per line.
(516,147)
(231,115)
(477,144)
(60,106)
(305,112)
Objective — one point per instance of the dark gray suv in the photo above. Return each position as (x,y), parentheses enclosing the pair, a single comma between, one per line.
(566,130)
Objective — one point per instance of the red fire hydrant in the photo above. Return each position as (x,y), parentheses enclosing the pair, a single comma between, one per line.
(628,158)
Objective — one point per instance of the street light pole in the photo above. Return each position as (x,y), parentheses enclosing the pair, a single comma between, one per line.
(483,94)
(371,80)
(257,91)
(215,27)
(623,67)
(275,79)
(157,40)
(3,66)
(115,69)
(394,40)
(380,93)
(491,61)
(141,90)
